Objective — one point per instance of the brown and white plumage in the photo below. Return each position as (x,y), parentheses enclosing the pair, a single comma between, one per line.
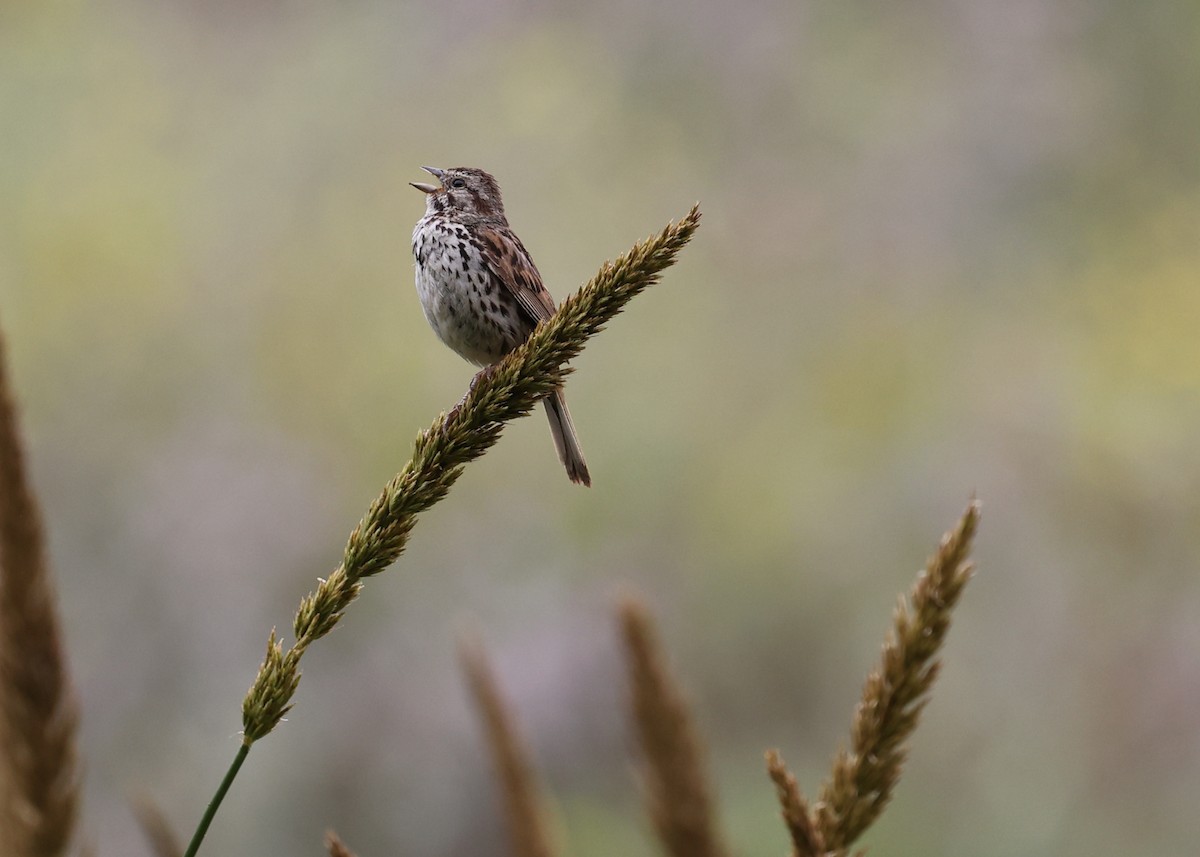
(479,288)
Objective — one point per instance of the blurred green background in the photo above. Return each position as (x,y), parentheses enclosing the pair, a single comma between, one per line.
(949,246)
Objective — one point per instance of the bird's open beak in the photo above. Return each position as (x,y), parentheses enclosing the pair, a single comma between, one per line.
(428,188)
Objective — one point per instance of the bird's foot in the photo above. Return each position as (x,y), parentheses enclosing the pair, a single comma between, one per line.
(485,372)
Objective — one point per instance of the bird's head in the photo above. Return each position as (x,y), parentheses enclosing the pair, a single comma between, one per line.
(466,193)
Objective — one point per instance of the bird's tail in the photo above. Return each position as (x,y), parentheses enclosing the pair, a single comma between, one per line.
(565,440)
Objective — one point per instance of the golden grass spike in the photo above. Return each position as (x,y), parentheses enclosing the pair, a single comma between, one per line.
(677,790)
(864,776)
(38,714)
(526,824)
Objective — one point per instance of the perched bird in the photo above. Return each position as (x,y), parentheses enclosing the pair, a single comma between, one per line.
(480,290)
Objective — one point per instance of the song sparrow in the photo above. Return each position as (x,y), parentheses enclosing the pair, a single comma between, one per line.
(480,290)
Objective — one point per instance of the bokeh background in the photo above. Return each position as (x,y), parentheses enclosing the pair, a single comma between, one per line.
(949,246)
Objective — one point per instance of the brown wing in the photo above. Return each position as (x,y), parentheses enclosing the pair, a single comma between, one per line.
(508,259)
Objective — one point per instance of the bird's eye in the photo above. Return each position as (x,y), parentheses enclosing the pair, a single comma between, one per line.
(458,183)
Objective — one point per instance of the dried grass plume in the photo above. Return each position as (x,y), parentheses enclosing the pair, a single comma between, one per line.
(526,825)
(335,846)
(806,839)
(864,776)
(895,692)
(39,777)
(678,795)
(159,833)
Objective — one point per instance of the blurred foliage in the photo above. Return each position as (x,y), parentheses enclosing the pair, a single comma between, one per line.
(949,245)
